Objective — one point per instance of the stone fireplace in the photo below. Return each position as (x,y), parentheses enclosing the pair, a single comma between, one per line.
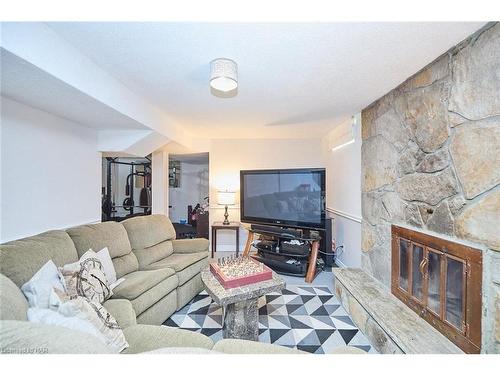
(431,163)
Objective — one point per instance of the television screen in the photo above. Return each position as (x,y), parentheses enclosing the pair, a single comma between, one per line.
(289,197)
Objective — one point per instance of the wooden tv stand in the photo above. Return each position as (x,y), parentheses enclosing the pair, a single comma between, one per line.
(313,255)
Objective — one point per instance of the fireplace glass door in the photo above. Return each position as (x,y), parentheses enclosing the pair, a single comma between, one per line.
(417,275)
(434,265)
(455,292)
(434,279)
(404,260)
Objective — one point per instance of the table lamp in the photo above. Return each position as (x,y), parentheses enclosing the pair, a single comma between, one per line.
(227,198)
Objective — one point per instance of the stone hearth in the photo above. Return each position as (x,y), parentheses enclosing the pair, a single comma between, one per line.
(390,325)
(431,161)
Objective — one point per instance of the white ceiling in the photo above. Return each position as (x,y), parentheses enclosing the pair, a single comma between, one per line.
(295,80)
(27,83)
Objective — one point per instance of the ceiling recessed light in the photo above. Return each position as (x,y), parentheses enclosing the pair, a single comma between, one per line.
(223,75)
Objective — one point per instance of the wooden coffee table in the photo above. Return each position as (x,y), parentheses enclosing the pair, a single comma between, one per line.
(240,312)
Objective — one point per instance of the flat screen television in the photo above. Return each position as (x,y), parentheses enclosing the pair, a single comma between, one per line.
(283,197)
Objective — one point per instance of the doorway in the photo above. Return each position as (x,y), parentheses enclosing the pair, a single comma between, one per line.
(188,194)
(126,187)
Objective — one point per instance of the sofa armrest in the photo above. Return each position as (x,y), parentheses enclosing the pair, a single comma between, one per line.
(20,337)
(122,311)
(346,350)
(144,338)
(186,246)
(236,346)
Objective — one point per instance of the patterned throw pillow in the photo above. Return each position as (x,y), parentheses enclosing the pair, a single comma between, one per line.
(94,313)
(86,278)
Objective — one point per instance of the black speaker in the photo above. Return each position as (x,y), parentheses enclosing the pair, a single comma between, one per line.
(327,245)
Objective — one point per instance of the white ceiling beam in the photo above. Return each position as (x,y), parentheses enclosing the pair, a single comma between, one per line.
(129,142)
(39,45)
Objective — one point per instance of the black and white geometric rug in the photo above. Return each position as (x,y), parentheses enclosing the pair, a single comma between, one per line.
(303,317)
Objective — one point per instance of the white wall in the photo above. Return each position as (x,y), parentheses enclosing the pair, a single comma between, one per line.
(193,188)
(51,172)
(344,190)
(159,182)
(229,156)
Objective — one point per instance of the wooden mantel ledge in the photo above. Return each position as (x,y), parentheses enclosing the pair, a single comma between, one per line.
(408,332)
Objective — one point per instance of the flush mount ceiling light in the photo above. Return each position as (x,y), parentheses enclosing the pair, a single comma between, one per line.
(223,75)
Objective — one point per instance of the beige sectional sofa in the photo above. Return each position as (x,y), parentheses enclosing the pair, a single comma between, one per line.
(161,275)
(18,336)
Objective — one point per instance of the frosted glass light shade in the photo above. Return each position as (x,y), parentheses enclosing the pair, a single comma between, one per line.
(223,75)
(226,197)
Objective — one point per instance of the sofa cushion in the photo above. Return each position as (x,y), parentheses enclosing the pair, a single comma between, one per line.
(158,313)
(32,338)
(125,264)
(153,254)
(143,338)
(191,271)
(138,282)
(111,235)
(13,304)
(187,291)
(179,262)
(154,294)
(21,259)
(146,231)
(122,311)
(194,245)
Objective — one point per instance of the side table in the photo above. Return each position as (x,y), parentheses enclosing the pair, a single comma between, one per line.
(216,226)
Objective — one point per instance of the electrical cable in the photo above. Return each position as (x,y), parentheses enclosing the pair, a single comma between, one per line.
(339,247)
(335,252)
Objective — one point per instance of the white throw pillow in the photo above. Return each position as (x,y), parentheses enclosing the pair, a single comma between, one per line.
(38,289)
(107,264)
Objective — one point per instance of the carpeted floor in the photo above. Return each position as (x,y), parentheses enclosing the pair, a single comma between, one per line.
(304,317)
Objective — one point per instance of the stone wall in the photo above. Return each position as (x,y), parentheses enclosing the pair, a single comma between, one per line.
(431,161)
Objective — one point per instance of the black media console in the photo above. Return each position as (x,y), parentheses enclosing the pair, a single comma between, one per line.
(288,251)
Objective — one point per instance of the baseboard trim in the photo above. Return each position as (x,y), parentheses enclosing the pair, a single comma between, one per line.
(346,215)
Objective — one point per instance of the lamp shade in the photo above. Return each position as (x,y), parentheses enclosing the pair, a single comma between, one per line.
(226,197)
(223,75)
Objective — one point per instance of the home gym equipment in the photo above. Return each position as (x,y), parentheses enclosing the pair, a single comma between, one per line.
(139,172)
